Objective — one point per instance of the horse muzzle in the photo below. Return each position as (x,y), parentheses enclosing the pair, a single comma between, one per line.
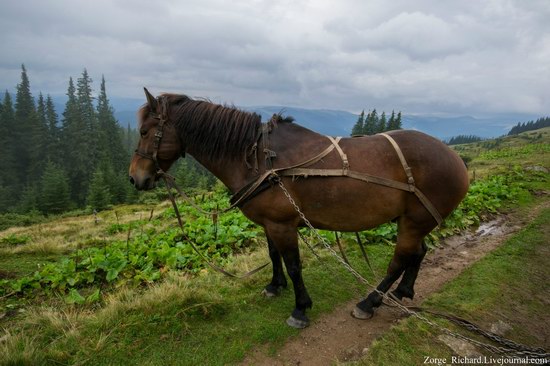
(143,183)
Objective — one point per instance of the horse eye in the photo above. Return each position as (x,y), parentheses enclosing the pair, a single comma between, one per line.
(143,133)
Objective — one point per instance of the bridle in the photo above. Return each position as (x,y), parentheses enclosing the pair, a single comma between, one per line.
(163,118)
(156,142)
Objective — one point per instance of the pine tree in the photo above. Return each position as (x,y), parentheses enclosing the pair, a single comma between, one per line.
(371,123)
(529,126)
(39,135)
(398,121)
(54,190)
(391,122)
(8,178)
(99,197)
(110,144)
(74,143)
(382,126)
(88,139)
(358,127)
(25,117)
(29,199)
(53,147)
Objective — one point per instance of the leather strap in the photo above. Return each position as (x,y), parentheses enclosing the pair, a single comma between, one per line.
(406,166)
(344,157)
(423,199)
(171,183)
(301,169)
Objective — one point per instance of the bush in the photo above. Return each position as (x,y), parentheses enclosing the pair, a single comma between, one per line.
(12,219)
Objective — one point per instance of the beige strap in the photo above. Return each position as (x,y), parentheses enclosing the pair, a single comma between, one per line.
(423,199)
(308,172)
(344,157)
(408,172)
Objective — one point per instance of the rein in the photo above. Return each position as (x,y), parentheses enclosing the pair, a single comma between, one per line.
(170,183)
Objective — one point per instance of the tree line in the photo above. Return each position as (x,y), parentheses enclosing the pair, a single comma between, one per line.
(51,163)
(372,123)
(529,126)
(463,139)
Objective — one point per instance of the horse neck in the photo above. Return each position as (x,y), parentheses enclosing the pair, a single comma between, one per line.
(291,142)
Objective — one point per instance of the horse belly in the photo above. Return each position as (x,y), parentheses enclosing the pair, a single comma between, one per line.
(344,204)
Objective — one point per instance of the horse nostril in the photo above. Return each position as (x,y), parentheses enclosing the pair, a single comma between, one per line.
(132,181)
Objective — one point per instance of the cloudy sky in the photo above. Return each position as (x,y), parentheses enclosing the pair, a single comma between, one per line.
(472,57)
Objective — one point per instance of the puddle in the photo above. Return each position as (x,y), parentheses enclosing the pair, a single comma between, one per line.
(494,227)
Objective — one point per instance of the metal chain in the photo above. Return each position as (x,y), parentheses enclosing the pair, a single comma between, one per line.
(321,239)
(512,347)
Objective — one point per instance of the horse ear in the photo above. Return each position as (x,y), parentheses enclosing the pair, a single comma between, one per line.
(151,100)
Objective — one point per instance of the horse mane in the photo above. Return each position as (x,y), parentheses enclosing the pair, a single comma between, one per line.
(215,131)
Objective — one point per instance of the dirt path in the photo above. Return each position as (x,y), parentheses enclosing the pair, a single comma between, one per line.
(339,337)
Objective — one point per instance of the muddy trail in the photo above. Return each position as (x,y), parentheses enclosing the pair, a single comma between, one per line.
(338,337)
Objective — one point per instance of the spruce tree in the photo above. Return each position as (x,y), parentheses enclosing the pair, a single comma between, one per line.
(39,136)
(53,149)
(110,135)
(398,125)
(9,177)
(391,122)
(371,123)
(358,127)
(74,144)
(54,190)
(99,197)
(382,126)
(25,117)
(88,116)
(88,141)
(29,199)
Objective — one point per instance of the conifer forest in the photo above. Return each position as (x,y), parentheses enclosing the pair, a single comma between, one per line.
(55,161)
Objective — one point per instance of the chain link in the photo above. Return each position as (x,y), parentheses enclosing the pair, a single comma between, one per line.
(511,348)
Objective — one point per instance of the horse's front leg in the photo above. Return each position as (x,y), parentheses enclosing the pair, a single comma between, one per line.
(278,281)
(285,240)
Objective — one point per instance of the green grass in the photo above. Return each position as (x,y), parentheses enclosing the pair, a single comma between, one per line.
(510,283)
(21,264)
(182,320)
(205,318)
(498,155)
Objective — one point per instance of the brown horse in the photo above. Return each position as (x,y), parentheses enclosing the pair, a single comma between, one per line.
(232,143)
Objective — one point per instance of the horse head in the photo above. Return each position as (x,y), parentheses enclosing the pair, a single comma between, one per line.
(159,145)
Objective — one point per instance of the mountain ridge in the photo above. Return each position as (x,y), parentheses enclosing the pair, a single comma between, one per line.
(339,122)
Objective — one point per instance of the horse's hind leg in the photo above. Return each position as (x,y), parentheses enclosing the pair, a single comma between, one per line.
(278,280)
(285,239)
(408,254)
(406,286)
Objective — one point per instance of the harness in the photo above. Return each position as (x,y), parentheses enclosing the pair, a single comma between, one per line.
(272,175)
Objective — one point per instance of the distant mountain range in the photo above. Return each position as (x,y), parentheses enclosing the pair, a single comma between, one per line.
(340,123)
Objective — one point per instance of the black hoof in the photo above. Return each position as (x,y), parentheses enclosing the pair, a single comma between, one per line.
(298,319)
(360,314)
(297,323)
(272,291)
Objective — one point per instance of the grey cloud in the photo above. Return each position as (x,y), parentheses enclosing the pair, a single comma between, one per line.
(423,56)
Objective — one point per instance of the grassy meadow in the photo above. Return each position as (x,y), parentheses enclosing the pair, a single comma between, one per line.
(124,285)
